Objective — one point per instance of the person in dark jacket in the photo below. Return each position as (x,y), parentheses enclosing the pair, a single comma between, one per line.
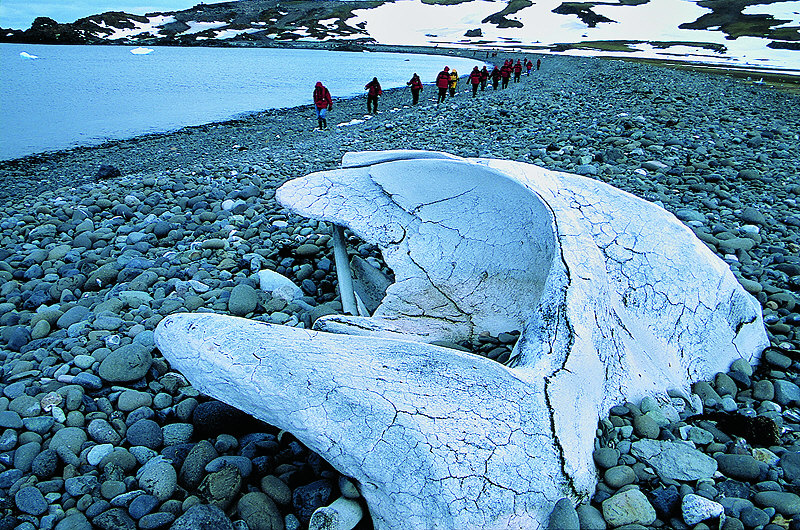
(475,80)
(374,91)
(495,77)
(484,78)
(538,63)
(322,103)
(517,71)
(442,82)
(416,87)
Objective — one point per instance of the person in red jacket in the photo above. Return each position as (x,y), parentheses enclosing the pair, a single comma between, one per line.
(442,82)
(484,78)
(323,103)
(528,66)
(475,80)
(374,91)
(495,77)
(416,87)
(517,71)
(505,73)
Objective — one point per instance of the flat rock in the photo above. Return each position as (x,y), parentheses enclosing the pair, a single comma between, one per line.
(674,460)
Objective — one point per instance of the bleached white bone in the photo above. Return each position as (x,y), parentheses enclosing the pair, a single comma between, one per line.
(614,297)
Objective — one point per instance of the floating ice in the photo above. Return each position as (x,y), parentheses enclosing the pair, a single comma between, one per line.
(141,51)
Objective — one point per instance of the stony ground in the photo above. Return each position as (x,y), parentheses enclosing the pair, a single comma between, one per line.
(97,431)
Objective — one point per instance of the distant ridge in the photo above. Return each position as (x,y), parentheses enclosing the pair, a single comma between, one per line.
(707,30)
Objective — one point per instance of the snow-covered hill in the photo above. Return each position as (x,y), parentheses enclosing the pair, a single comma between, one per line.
(749,33)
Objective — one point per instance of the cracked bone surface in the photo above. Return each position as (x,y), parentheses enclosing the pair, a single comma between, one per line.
(614,297)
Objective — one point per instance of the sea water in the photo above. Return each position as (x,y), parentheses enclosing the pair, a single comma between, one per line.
(56,97)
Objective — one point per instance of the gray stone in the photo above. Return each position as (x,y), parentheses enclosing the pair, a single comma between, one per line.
(696,508)
(25,454)
(606,457)
(151,521)
(243,464)
(619,476)
(193,468)
(71,438)
(177,433)
(31,501)
(790,463)
(646,427)
(259,512)
(82,484)
(26,406)
(243,300)
(131,400)
(739,467)
(785,503)
(114,519)
(786,392)
(127,363)
(674,460)
(10,419)
(73,315)
(142,505)
(276,489)
(158,478)
(628,507)
(74,521)
(146,433)
(45,464)
(563,516)
(102,432)
(753,517)
(88,381)
(763,390)
(590,518)
(203,516)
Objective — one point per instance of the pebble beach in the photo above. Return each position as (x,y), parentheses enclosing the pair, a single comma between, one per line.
(97,431)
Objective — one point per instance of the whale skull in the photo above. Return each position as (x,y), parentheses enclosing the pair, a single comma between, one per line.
(614,297)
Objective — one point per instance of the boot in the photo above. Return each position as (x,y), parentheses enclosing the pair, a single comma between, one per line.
(321,121)
(324,124)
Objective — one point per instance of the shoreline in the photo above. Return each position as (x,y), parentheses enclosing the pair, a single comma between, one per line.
(788,82)
(89,267)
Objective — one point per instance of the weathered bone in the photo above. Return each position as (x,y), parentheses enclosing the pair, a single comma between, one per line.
(614,297)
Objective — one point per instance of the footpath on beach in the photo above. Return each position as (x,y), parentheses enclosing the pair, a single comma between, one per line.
(95,428)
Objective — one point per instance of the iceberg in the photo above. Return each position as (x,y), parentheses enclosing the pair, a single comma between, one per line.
(26,55)
(141,51)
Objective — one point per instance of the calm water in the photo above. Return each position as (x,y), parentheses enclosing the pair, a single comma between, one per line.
(84,95)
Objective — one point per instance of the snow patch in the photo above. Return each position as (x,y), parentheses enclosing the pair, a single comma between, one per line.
(153,25)
(197,27)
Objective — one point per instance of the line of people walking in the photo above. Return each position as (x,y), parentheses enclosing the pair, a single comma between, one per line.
(446,83)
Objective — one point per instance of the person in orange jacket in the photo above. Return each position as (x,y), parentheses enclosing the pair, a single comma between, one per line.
(322,103)
(374,91)
(475,80)
(416,87)
(442,82)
